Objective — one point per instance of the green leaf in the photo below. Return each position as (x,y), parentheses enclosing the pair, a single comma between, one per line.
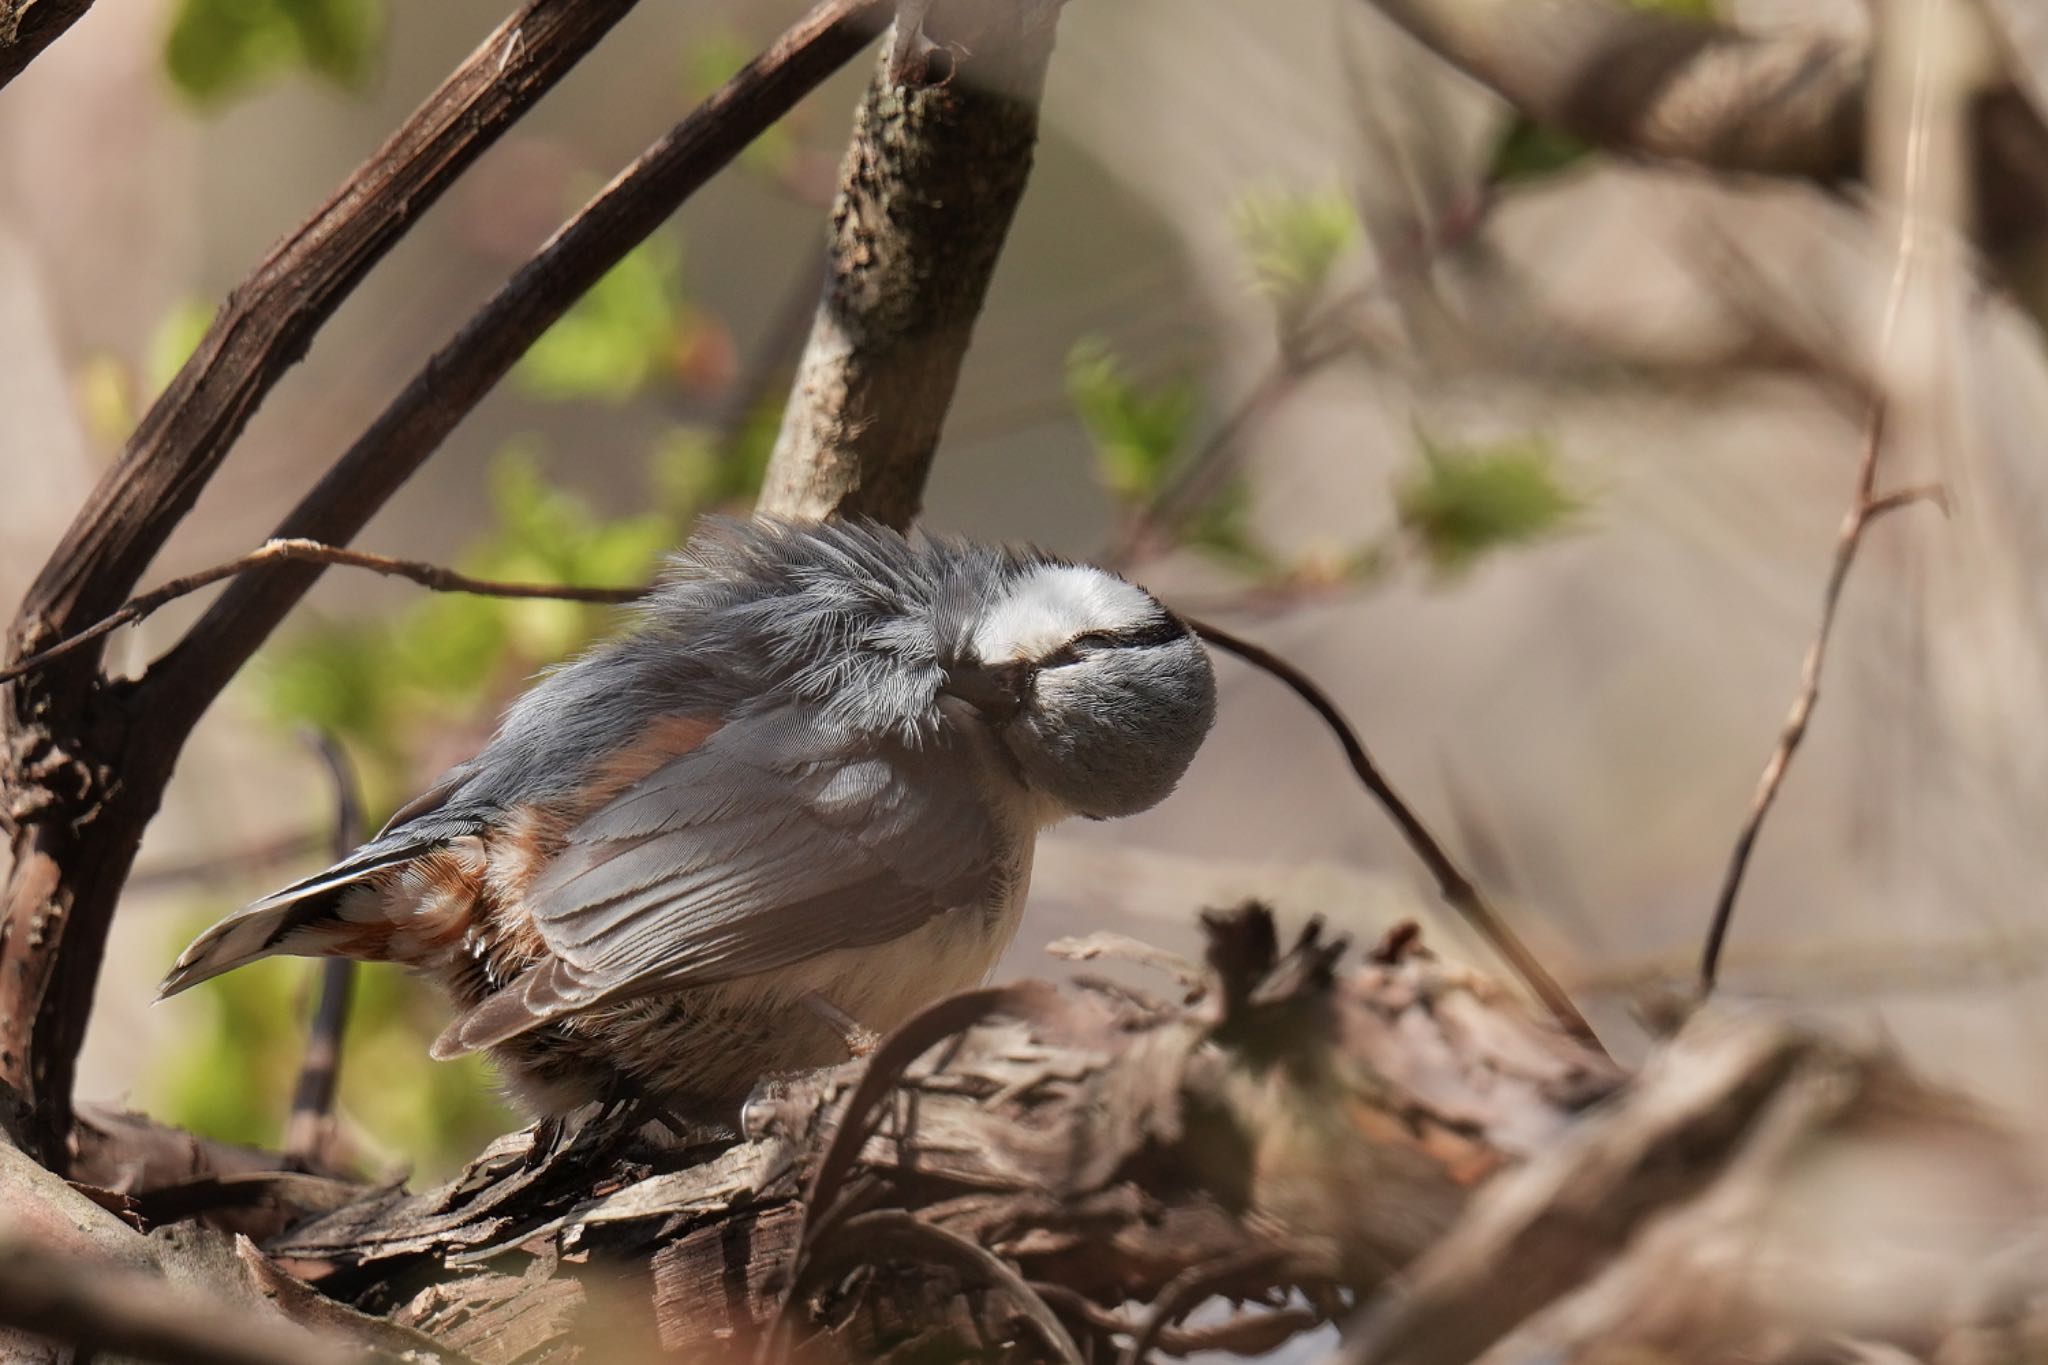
(177,335)
(619,336)
(715,58)
(1461,503)
(1530,151)
(1293,240)
(217,49)
(1221,528)
(233,1077)
(1139,432)
(692,475)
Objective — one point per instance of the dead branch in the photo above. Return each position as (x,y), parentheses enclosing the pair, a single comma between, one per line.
(940,154)
(29,26)
(270,318)
(1865,507)
(434,576)
(1693,1220)
(471,363)
(320,1066)
(1024,1162)
(1458,890)
(89,758)
(1791,102)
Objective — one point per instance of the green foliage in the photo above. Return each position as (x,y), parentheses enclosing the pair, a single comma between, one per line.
(715,58)
(218,49)
(1528,150)
(234,1078)
(691,472)
(107,387)
(1460,503)
(1293,240)
(620,336)
(1140,433)
(1703,10)
(1222,529)
(177,335)
(382,686)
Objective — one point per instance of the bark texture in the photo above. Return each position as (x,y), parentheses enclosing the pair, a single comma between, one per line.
(941,149)
(29,26)
(1214,1161)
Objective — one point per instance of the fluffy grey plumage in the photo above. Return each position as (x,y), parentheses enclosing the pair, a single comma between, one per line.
(811,774)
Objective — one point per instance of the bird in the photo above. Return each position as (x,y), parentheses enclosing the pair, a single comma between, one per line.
(794,801)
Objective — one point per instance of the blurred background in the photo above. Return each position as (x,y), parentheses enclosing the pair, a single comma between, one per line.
(1533,458)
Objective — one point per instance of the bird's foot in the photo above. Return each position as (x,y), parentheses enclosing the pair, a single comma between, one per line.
(860,1040)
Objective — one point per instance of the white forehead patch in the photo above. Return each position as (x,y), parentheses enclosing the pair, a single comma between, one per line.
(1051,605)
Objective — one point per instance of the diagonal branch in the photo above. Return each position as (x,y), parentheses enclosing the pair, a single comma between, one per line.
(456,378)
(89,758)
(1640,81)
(300,551)
(1458,890)
(308,1129)
(1865,508)
(269,320)
(29,26)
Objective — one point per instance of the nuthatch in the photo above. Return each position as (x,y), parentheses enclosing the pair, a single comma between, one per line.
(794,805)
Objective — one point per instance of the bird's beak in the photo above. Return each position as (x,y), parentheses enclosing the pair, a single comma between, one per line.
(996,690)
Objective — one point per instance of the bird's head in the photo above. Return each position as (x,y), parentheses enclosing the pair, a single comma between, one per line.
(1099,694)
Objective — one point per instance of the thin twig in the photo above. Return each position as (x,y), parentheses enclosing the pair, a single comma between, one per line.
(1204,473)
(320,1069)
(1457,890)
(1866,508)
(875,1233)
(433,576)
(1246,1334)
(1187,1290)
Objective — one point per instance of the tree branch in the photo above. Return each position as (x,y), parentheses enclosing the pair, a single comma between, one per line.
(269,320)
(89,758)
(1642,82)
(29,26)
(1866,507)
(457,376)
(308,552)
(320,1065)
(1457,889)
(927,191)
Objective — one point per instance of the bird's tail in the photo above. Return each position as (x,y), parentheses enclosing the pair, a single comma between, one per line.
(336,913)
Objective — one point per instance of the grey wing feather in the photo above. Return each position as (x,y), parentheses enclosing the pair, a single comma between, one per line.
(776,841)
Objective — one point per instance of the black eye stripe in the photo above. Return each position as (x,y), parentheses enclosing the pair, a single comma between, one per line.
(1163,631)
